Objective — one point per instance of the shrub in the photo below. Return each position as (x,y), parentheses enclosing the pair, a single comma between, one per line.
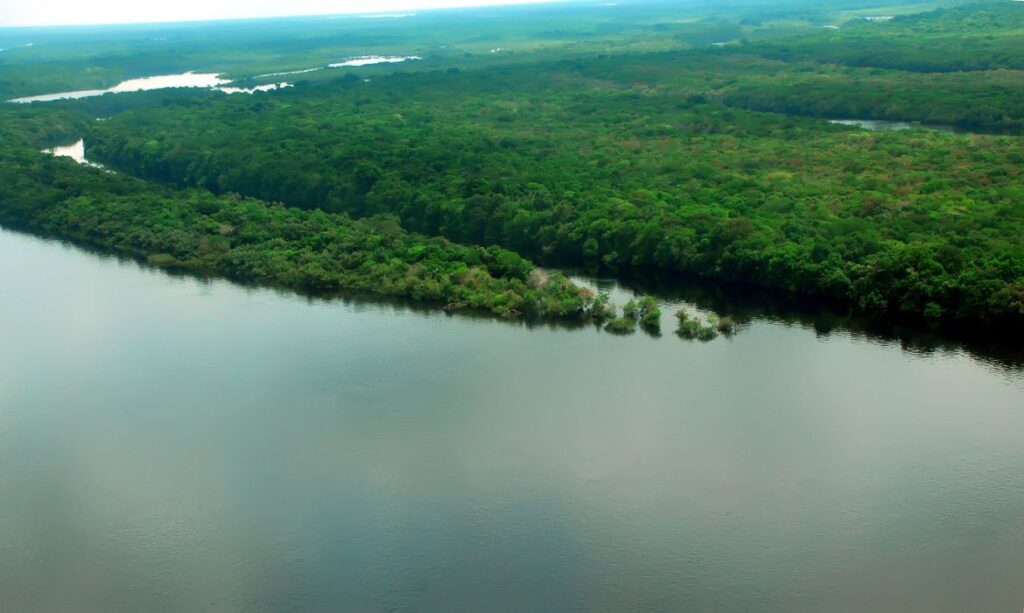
(650,314)
(692,329)
(631,310)
(602,308)
(621,325)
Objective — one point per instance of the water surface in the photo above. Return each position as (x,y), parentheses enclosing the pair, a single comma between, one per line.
(170,444)
(369,60)
(883,125)
(362,60)
(75,151)
(187,79)
(269,87)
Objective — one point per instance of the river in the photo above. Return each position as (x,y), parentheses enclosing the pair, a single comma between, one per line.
(186,79)
(207,81)
(174,444)
(882,125)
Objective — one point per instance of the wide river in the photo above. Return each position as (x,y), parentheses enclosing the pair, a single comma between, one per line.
(170,444)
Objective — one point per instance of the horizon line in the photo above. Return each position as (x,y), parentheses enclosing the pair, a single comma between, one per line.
(399,12)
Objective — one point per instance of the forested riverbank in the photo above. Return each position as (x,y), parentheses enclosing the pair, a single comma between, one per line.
(584,164)
(590,306)
(619,160)
(256,242)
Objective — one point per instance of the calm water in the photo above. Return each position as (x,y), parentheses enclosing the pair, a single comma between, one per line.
(187,79)
(362,60)
(172,444)
(75,151)
(883,125)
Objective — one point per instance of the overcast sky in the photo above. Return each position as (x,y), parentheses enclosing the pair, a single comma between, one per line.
(66,12)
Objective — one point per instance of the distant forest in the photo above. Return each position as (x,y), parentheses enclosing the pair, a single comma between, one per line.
(664,138)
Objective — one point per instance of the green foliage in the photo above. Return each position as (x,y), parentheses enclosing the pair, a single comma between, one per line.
(583,155)
(627,171)
(602,309)
(41,127)
(99,57)
(690,328)
(621,325)
(989,100)
(971,37)
(631,310)
(726,326)
(650,313)
(253,241)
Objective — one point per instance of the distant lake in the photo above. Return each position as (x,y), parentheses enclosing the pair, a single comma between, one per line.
(172,444)
(75,151)
(362,60)
(368,60)
(187,79)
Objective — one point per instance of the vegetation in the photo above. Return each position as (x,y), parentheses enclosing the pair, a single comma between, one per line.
(39,127)
(621,325)
(45,60)
(650,314)
(631,310)
(725,326)
(985,101)
(690,328)
(660,138)
(254,241)
(972,37)
(620,173)
(602,309)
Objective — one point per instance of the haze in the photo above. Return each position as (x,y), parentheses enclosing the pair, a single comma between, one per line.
(73,12)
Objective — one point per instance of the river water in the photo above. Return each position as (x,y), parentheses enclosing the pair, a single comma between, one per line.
(172,444)
(187,79)
(883,125)
(75,151)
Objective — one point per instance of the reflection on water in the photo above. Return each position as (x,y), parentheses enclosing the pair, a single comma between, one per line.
(174,444)
(746,305)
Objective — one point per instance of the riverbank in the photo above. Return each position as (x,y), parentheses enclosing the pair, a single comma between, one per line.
(898,224)
(254,241)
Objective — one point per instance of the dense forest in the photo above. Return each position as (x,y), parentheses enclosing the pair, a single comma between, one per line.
(986,101)
(973,37)
(43,60)
(252,241)
(645,146)
(572,165)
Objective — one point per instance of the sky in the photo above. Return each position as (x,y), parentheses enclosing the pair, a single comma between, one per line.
(74,12)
